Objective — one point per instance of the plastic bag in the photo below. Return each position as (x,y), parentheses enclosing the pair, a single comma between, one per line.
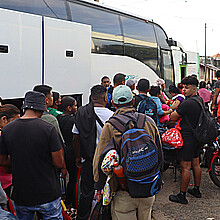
(173,138)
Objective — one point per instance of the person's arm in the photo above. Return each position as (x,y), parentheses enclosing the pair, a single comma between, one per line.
(217,90)
(76,147)
(175,104)
(160,111)
(59,162)
(174,116)
(162,98)
(167,112)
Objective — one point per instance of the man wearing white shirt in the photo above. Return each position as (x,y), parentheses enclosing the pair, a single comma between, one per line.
(87,130)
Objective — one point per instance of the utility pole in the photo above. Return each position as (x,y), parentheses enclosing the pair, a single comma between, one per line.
(205,54)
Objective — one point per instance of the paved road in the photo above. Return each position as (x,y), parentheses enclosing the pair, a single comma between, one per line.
(206,208)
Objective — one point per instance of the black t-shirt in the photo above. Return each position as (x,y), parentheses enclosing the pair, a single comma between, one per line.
(29,142)
(190,109)
(66,123)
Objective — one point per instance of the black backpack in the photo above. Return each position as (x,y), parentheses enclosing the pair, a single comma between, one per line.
(138,155)
(206,130)
(148,107)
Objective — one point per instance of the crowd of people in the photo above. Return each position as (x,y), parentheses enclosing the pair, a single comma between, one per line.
(52,137)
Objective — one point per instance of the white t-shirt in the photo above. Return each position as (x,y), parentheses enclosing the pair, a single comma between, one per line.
(104,114)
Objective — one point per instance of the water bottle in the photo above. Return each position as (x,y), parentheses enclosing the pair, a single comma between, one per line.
(118,170)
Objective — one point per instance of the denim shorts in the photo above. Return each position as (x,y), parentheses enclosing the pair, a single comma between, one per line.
(50,210)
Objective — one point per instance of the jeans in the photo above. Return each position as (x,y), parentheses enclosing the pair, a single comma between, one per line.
(50,210)
(6,215)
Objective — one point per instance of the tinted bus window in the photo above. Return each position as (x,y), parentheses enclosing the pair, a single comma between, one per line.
(140,41)
(161,37)
(167,68)
(31,6)
(106,31)
(58,7)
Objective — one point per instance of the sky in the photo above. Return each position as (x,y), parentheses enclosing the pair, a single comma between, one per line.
(183,20)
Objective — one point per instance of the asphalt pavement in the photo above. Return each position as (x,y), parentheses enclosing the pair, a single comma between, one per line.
(205,208)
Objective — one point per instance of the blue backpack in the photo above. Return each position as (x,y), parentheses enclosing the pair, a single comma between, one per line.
(148,107)
(139,155)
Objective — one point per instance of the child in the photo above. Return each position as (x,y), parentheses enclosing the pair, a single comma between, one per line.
(155,93)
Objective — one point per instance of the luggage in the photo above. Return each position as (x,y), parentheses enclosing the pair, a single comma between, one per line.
(148,107)
(139,156)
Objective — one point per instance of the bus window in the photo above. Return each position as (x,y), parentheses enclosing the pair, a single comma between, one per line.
(38,7)
(106,31)
(168,69)
(58,7)
(140,41)
(161,37)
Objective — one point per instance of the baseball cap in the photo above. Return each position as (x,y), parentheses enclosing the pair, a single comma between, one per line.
(130,82)
(121,95)
(35,100)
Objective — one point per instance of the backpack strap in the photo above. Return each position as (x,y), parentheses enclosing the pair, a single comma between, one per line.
(99,120)
(201,103)
(121,121)
(141,120)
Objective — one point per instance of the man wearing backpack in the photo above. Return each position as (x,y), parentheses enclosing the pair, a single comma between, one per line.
(89,120)
(189,111)
(126,204)
(143,103)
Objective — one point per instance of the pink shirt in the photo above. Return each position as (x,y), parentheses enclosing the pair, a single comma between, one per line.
(5,178)
(205,94)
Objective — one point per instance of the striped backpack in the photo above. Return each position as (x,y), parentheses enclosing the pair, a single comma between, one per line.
(138,155)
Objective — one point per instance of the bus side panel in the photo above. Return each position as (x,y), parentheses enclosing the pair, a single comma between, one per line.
(67,57)
(20,53)
(192,63)
(111,64)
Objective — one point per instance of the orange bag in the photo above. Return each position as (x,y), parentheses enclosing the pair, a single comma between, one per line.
(173,138)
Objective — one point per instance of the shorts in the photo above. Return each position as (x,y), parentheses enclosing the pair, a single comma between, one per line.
(190,149)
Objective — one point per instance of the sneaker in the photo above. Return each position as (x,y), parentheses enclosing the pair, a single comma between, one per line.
(195,192)
(178,198)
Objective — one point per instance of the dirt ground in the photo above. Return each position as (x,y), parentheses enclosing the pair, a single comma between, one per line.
(207,207)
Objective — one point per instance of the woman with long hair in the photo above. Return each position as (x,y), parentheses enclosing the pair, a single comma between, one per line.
(8,113)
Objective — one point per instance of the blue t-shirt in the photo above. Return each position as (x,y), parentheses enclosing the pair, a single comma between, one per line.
(159,108)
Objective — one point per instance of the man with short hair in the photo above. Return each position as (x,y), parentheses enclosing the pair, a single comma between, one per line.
(123,206)
(47,91)
(66,122)
(87,130)
(119,79)
(105,81)
(35,150)
(143,88)
(189,112)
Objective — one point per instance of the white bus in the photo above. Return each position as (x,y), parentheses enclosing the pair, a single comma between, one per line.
(71,44)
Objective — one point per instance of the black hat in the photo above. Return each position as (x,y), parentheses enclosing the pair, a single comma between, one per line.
(35,100)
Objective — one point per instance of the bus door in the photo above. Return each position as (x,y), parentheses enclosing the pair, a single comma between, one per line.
(183,71)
